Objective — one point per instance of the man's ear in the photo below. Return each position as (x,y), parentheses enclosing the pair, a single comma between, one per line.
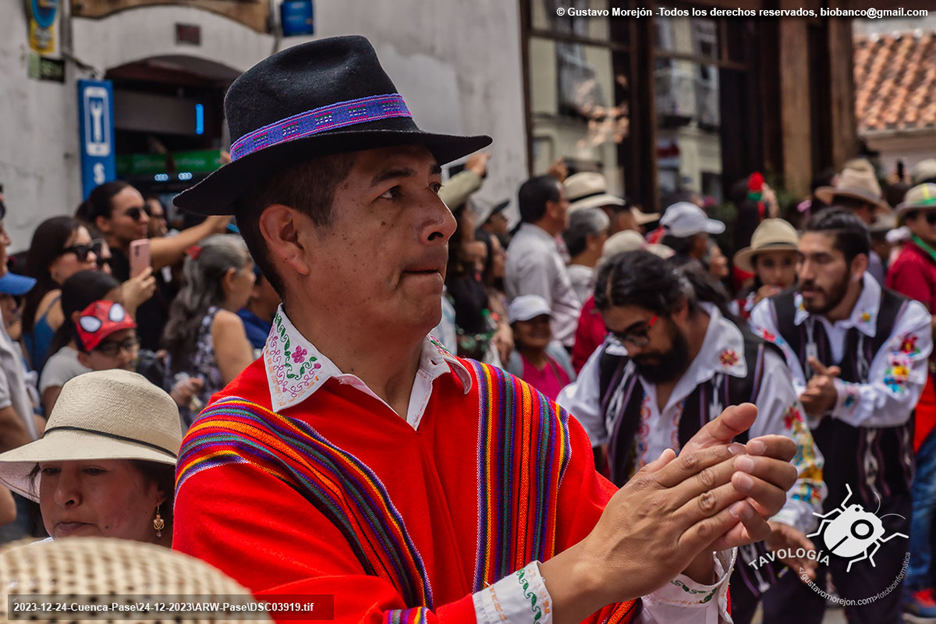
(859,265)
(84,359)
(285,232)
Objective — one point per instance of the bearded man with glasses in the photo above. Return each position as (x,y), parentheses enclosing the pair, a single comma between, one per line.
(674,359)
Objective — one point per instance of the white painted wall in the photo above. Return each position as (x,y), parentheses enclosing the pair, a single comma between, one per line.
(457,64)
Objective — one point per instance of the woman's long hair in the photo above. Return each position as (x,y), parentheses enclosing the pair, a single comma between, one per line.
(203,288)
(48,241)
(78,292)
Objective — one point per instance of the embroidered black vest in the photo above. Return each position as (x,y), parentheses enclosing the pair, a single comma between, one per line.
(622,396)
(875,461)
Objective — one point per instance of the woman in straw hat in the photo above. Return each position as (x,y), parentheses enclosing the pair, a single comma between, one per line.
(771,257)
(105,465)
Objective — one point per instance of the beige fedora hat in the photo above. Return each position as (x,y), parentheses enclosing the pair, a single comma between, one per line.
(589,189)
(856,183)
(920,197)
(113,414)
(770,235)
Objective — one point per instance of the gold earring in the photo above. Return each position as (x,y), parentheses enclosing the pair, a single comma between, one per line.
(158,523)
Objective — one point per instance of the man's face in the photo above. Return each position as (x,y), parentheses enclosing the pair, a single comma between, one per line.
(384,256)
(128,221)
(557,212)
(660,352)
(823,273)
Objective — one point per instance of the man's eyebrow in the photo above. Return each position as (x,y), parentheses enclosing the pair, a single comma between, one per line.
(401,172)
(392,173)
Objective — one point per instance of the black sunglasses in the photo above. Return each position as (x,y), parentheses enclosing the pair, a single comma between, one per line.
(929,215)
(135,213)
(81,250)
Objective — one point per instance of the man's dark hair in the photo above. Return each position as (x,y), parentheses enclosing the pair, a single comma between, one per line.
(643,279)
(308,187)
(533,195)
(640,278)
(849,233)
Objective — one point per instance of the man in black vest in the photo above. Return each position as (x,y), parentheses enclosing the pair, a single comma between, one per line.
(858,354)
(672,362)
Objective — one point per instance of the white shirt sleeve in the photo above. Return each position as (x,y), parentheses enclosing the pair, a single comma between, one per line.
(779,412)
(522,598)
(763,323)
(896,377)
(582,399)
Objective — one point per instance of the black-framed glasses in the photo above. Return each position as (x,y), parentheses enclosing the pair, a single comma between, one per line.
(638,337)
(81,250)
(104,262)
(110,348)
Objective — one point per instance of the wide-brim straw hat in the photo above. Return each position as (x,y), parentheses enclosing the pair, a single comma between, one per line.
(99,571)
(113,414)
(589,189)
(320,98)
(920,197)
(770,235)
(858,184)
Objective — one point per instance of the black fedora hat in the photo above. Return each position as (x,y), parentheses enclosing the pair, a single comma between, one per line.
(329,96)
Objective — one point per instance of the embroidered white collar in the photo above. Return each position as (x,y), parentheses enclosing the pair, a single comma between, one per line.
(295,369)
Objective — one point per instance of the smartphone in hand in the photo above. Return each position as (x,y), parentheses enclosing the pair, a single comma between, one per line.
(139,256)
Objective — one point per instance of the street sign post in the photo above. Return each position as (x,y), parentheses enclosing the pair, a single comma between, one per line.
(96,133)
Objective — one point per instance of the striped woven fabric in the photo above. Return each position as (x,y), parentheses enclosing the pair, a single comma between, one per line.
(523,450)
(417,615)
(234,430)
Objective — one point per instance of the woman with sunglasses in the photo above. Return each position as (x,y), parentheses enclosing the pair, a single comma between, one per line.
(60,247)
(119,212)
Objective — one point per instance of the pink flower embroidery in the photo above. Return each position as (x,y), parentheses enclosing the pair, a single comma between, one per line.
(299,354)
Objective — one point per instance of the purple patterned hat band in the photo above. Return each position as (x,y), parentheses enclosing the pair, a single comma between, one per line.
(320,120)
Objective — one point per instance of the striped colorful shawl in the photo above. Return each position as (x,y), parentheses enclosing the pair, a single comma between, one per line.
(523,450)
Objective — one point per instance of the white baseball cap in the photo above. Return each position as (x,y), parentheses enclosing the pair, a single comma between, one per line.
(684,219)
(526,307)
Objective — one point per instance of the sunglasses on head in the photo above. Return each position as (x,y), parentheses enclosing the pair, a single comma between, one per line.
(81,250)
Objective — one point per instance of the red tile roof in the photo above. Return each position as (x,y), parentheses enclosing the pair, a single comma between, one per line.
(895,82)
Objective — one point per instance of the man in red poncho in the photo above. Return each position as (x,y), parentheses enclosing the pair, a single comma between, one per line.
(358,459)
